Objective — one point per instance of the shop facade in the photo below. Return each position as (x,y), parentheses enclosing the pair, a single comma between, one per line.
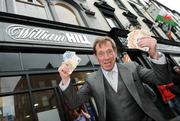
(31,53)
(32,44)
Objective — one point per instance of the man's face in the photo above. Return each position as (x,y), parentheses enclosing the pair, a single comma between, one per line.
(106,56)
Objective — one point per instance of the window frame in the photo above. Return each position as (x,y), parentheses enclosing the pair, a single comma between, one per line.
(108,11)
(121,4)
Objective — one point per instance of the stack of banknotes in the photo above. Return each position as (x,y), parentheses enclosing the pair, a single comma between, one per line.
(71,60)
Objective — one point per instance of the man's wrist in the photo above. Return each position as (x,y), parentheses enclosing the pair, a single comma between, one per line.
(160,60)
(65,80)
(63,85)
(157,55)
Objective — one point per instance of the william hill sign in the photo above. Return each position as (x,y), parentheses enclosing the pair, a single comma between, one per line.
(22,33)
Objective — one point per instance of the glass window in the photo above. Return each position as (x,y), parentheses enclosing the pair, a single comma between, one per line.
(151,25)
(93,60)
(66,14)
(131,17)
(111,20)
(176,31)
(41,61)
(13,84)
(112,23)
(9,62)
(15,108)
(155,32)
(32,1)
(167,30)
(47,80)
(133,21)
(136,9)
(46,106)
(124,41)
(79,78)
(125,57)
(84,61)
(108,13)
(120,4)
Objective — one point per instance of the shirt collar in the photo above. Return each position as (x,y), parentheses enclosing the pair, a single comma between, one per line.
(115,69)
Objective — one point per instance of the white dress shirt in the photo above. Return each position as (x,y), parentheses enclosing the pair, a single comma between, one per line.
(112,77)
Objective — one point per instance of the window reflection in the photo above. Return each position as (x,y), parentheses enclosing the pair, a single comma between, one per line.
(41,61)
(9,62)
(84,61)
(46,106)
(79,78)
(15,108)
(12,84)
(47,80)
(125,58)
(112,23)
(93,60)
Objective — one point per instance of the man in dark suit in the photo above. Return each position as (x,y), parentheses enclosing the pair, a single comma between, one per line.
(117,88)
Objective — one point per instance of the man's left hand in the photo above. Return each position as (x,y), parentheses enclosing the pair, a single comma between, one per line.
(151,43)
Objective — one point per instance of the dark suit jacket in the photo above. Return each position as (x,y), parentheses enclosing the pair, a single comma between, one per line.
(94,87)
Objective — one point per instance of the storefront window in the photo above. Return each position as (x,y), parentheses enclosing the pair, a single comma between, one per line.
(84,61)
(79,78)
(93,60)
(47,80)
(66,14)
(9,62)
(41,61)
(46,106)
(13,84)
(15,108)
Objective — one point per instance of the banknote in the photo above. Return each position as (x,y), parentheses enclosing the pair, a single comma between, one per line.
(71,60)
(135,36)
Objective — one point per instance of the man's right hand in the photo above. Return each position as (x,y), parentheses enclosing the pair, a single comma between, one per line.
(64,73)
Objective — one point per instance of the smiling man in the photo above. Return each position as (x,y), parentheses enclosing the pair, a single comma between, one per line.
(117,88)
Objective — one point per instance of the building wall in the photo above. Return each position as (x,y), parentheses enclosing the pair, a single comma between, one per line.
(46,10)
(28,67)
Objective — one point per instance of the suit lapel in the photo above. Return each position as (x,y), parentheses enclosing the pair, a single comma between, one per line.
(128,80)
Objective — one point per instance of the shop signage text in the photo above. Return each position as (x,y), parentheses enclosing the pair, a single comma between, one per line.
(19,32)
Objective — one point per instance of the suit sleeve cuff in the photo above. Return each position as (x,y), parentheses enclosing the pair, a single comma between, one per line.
(64,87)
(161,60)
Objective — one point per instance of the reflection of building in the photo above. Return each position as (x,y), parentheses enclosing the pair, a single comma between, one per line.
(35,34)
